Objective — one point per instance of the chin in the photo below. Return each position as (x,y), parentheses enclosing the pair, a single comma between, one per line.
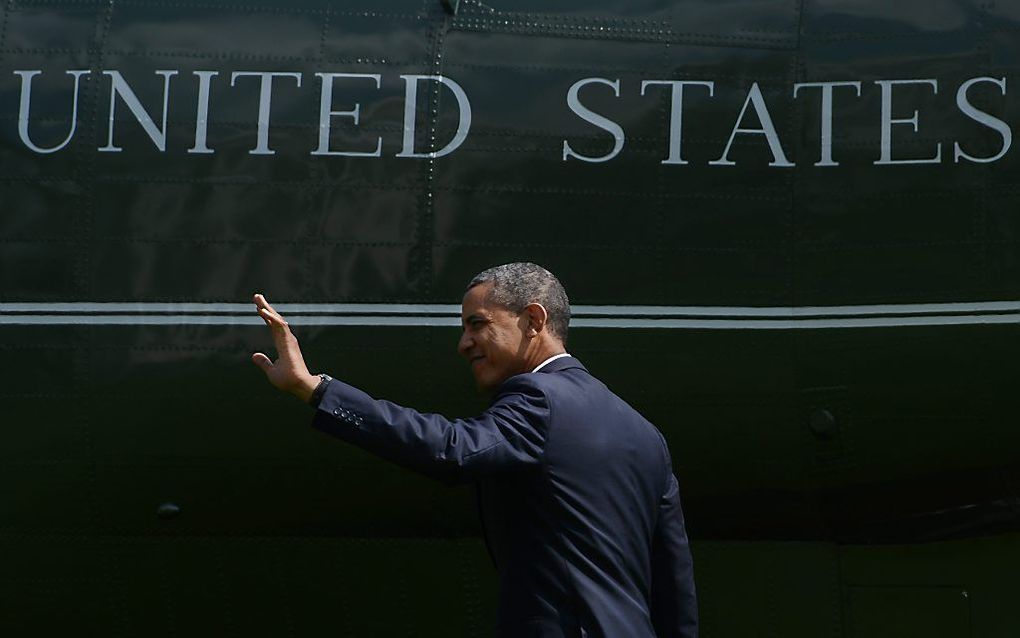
(485,387)
(486,383)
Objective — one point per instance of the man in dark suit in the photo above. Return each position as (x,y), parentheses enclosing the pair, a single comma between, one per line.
(579,502)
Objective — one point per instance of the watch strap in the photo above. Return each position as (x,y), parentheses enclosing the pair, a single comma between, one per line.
(319,390)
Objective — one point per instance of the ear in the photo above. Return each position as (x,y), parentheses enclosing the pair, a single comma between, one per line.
(537,317)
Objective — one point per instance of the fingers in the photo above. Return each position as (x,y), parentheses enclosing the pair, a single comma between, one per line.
(283,339)
(260,303)
(272,318)
(262,361)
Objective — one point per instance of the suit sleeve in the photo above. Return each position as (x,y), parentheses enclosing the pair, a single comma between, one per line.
(509,435)
(674,601)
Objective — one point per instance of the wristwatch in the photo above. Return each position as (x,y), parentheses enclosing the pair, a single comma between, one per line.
(319,390)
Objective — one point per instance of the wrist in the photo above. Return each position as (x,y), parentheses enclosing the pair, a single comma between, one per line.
(306,386)
(320,390)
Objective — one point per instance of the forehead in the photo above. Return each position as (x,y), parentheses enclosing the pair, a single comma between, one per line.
(476,299)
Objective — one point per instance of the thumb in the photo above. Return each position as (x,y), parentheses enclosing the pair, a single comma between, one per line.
(262,361)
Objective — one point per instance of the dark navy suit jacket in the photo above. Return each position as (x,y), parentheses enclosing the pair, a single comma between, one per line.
(578,499)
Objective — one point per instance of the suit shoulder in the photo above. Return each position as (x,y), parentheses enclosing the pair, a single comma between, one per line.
(526,383)
(547,382)
(524,392)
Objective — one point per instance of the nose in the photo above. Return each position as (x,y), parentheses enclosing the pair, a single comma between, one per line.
(464,344)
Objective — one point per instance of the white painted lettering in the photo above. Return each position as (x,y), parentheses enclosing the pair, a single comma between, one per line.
(410,110)
(202,117)
(888,121)
(326,113)
(676,113)
(594,118)
(265,104)
(984,118)
(24,112)
(767,129)
(826,87)
(118,86)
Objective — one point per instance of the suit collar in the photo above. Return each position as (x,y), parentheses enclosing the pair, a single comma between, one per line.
(563,363)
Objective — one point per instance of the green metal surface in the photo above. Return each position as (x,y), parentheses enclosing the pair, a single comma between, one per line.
(847,482)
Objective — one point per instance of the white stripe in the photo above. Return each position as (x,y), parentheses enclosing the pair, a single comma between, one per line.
(797,324)
(230,308)
(596,322)
(450,310)
(799,311)
(222,320)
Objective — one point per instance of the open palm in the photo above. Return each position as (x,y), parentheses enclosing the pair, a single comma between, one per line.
(288,373)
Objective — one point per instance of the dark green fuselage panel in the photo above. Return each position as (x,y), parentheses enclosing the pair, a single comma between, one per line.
(791,232)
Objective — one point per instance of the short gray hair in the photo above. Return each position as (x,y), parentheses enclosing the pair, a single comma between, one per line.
(516,285)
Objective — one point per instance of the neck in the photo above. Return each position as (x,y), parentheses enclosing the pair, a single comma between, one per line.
(546,350)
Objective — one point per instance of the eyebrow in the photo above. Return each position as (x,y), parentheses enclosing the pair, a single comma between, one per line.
(473,317)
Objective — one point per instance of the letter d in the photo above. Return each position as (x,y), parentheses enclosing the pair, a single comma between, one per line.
(410,109)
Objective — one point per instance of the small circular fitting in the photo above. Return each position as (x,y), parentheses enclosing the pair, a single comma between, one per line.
(823,424)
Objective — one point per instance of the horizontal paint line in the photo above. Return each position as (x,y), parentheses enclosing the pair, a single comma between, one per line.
(803,311)
(453,322)
(229,308)
(378,310)
(223,320)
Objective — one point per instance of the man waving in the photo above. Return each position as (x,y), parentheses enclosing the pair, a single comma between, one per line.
(580,506)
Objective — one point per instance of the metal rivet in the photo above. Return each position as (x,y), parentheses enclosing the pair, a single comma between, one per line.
(823,424)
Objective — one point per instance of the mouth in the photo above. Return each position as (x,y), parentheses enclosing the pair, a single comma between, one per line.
(473,360)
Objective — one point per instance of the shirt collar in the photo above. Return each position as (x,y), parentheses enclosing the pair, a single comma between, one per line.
(551,359)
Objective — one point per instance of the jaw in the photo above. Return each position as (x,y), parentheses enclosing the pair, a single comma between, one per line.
(483,377)
(488,378)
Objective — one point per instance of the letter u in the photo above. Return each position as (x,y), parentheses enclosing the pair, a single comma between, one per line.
(24,112)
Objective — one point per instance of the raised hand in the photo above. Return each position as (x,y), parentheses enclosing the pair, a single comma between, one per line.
(288,373)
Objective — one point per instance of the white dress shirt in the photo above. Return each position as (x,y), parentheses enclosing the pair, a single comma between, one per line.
(550,359)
